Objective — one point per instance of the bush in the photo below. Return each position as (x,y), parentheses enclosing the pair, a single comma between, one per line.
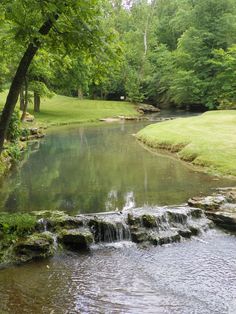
(17,224)
(14,130)
(14,151)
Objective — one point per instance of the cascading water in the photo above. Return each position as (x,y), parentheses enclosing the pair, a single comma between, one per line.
(158,225)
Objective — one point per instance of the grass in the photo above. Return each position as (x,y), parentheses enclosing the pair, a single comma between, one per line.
(66,110)
(208,140)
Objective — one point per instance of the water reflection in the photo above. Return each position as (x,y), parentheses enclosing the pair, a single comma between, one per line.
(96,169)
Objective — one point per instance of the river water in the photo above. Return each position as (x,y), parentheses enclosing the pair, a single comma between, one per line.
(196,276)
(95,169)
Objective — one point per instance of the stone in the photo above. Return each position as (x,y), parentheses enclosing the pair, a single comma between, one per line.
(57,219)
(208,203)
(145,108)
(185,233)
(76,239)
(132,220)
(223,220)
(149,221)
(38,245)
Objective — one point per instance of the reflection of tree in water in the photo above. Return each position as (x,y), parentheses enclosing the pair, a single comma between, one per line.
(77,170)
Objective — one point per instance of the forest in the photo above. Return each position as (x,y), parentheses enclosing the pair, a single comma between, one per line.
(167,52)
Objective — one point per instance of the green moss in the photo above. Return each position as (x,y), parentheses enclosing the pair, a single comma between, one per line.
(208,140)
(149,221)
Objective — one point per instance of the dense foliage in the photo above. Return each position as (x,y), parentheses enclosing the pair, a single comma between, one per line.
(179,52)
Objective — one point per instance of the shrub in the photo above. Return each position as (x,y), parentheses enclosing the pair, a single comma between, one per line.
(13,225)
(14,130)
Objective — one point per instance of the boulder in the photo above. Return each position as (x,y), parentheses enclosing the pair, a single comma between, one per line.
(224,220)
(208,203)
(76,239)
(38,245)
(145,108)
(149,221)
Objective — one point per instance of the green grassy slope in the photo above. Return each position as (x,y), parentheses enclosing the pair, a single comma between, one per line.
(66,110)
(208,140)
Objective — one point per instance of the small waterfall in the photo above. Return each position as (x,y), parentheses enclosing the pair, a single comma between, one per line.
(110,228)
(161,225)
(43,224)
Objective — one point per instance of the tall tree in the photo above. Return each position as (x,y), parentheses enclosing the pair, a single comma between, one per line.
(75,23)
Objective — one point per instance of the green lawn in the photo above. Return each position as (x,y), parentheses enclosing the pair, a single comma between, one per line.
(65,110)
(208,140)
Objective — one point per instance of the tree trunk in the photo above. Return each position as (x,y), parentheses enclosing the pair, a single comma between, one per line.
(22,99)
(26,101)
(16,84)
(80,93)
(36,102)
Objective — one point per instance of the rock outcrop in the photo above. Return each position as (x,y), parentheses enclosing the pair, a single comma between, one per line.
(145,108)
(219,207)
(143,226)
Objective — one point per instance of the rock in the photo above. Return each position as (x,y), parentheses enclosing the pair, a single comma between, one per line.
(76,239)
(133,220)
(110,120)
(229,193)
(111,230)
(149,221)
(139,236)
(128,118)
(223,220)
(147,108)
(219,208)
(185,233)
(208,203)
(28,117)
(38,245)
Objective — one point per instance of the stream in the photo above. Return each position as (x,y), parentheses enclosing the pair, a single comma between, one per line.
(102,168)
(94,169)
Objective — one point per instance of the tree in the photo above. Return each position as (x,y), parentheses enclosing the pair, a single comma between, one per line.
(75,23)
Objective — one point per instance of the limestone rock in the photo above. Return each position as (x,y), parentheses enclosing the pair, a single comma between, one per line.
(145,108)
(76,239)
(39,245)
(208,203)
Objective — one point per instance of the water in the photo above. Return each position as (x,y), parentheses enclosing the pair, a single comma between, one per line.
(84,170)
(102,168)
(196,276)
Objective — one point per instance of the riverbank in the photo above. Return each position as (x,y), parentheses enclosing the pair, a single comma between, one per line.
(61,110)
(208,141)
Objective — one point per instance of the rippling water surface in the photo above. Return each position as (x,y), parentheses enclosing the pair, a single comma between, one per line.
(195,276)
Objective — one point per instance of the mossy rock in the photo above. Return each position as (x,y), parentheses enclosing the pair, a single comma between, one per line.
(132,220)
(185,233)
(196,212)
(208,203)
(103,231)
(139,236)
(39,245)
(149,221)
(76,239)
(53,220)
(176,217)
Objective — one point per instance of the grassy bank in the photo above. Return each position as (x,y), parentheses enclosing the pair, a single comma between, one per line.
(66,110)
(208,140)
